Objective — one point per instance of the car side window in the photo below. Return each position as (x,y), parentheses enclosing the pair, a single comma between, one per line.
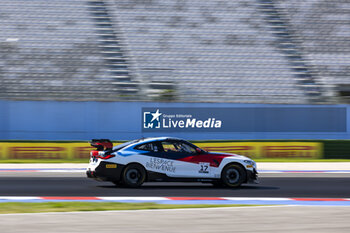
(178,147)
(187,148)
(148,147)
(169,147)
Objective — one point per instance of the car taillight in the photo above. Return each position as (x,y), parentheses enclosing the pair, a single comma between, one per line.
(101,154)
(106,156)
(94,153)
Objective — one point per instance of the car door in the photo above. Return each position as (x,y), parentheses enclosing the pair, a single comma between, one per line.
(152,156)
(185,160)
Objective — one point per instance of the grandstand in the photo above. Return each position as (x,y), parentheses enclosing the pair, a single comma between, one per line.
(245,51)
(323,28)
(57,50)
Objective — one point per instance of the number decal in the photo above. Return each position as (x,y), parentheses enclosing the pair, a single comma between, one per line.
(203,168)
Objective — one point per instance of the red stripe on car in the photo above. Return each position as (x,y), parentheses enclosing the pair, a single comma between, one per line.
(213,159)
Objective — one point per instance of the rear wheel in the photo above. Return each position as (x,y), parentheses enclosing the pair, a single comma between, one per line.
(134,175)
(233,175)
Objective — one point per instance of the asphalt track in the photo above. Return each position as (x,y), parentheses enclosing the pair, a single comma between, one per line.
(291,219)
(274,186)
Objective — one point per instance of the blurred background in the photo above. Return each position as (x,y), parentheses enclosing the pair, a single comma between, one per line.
(78,69)
(244,51)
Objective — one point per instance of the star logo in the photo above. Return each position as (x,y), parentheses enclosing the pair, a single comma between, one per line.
(156,115)
(151,120)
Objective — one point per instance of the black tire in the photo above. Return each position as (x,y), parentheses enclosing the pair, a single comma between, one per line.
(134,175)
(233,175)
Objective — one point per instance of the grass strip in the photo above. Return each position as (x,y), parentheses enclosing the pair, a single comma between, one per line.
(43,207)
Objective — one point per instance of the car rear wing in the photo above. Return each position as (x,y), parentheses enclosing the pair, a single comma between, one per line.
(102,144)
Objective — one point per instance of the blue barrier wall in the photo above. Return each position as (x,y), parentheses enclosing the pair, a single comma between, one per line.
(51,120)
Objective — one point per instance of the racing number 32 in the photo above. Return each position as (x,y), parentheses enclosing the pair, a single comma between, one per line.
(203,167)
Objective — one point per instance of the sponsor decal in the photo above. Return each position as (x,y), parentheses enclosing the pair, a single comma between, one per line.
(289,151)
(159,164)
(80,152)
(45,150)
(173,119)
(36,152)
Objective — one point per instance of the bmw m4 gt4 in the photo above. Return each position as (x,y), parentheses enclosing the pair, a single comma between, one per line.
(166,159)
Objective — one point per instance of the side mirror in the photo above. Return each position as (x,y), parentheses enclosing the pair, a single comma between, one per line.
(199,150)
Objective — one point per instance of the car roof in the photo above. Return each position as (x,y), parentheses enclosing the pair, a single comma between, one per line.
(154,139)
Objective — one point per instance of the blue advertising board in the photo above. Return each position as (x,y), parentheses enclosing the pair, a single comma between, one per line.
(59,120)
(244,119)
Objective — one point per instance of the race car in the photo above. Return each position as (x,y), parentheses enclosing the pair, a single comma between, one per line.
(166,159)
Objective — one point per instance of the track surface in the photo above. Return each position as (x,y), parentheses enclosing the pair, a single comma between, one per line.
(268,187)
(291,219)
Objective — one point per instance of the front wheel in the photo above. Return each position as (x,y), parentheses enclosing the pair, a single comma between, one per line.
(233,175)
(134,175)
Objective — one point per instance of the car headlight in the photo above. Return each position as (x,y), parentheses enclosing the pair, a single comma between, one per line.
(249,162)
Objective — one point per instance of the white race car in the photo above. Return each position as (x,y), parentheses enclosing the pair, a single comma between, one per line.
(166,159)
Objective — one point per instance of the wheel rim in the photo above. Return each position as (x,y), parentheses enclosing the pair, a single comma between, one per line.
(133,175)
(232,175)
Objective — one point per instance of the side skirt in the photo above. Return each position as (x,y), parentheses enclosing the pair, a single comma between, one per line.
(161,177)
